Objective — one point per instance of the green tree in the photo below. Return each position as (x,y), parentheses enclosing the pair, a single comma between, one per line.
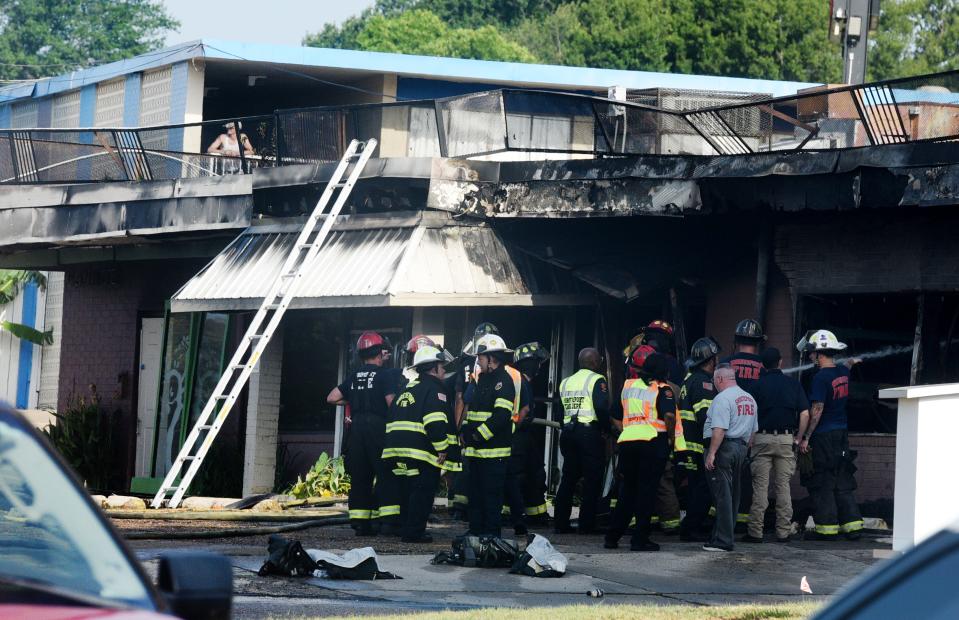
(422,32)
(46,37)
(914,37)
(11,283)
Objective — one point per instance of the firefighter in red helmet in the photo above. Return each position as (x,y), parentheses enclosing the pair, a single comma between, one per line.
(369,390)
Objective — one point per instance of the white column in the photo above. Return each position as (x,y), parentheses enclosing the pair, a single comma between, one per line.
(925,466)
(262,420)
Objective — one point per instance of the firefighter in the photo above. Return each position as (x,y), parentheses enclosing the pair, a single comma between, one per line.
(465,371)
(746,361)
(695,397)
(659,335)
(832,483)
(650,424)
(369,391)
(409,356)
(418,435)
(585,398)
(529,359)
(488,433)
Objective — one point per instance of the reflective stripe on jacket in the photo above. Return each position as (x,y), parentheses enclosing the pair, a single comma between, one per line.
(517,385)
(576,394)
(641,421)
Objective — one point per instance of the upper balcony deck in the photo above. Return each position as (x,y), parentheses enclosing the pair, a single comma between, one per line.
(499,125)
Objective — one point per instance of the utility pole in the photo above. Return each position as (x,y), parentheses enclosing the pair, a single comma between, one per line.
(850,23)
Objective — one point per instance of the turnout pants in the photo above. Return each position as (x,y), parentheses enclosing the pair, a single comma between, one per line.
(724,484)
(832,484)
(698,498)
(772,454)
(534,483)
(515,481)
(363,463)
(667,502)
(641,466)
(408,486)
(486,495)
(583,457)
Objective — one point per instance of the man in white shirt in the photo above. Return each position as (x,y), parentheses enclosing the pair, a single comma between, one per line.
(730,425)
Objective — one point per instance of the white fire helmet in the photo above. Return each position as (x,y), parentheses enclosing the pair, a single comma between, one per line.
(428,355)
(491,343)
(825,340)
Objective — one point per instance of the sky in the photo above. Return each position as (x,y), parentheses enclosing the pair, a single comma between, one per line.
(282,22)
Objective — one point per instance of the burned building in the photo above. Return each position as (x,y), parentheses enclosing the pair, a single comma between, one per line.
(568,218)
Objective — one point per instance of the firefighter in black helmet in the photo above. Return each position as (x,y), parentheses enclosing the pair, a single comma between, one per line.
(748,364)
(526,495)
(694,399)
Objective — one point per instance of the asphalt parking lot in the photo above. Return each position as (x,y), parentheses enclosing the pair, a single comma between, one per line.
(681,573)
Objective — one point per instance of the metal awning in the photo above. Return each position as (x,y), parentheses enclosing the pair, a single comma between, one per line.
(427,259)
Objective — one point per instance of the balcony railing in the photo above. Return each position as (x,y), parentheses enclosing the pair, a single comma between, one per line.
(488,124)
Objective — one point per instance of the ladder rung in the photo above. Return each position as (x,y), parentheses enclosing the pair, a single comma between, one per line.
(311,238)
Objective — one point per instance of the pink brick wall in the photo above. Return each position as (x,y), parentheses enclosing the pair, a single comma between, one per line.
(99,340)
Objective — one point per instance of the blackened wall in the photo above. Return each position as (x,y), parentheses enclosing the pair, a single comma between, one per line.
(881,251)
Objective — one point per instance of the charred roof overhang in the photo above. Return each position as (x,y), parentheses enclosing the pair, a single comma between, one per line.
(912,175)
(45,216)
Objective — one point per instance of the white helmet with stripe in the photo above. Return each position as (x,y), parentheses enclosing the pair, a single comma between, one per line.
(825,340)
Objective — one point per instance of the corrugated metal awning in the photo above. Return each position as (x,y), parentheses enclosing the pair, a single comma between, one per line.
(425,260)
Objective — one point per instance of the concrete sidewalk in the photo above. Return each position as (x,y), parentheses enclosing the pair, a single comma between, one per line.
(682,573)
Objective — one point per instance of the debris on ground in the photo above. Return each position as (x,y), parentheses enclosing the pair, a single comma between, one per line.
(288,559)
(540,559)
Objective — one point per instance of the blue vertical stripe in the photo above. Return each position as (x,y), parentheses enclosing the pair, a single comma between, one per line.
(25,370)
(131,101)
(5,116)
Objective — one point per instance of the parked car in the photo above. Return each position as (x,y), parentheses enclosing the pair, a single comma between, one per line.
(62,559)
(919,584)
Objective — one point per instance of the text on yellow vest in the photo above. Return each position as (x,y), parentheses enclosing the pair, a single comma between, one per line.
(576,394)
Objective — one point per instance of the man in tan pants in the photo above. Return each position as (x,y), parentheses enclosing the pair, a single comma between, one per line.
(783,418)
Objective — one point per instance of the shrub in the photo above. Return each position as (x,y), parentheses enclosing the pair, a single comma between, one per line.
(83,435)
(326,478)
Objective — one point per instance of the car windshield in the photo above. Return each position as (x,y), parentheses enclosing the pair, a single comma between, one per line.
(49,533)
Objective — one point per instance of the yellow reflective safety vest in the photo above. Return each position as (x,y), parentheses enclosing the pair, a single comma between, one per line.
(517,379)
(576,394)
(641,420)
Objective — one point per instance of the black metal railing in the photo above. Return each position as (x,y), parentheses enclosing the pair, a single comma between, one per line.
(136,154)
(923,108)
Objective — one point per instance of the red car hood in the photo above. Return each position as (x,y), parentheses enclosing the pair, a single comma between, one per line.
(51,612)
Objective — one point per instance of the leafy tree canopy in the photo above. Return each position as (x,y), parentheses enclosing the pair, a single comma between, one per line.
(47,37)
(771,39)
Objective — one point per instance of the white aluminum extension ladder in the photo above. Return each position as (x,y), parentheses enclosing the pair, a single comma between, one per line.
(262,327)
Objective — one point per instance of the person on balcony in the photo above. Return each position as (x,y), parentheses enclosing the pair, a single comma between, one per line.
(228,145)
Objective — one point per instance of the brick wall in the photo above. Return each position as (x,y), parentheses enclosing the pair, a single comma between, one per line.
(733,298)
(263,419)
(98,340)
(876,475)
(922,255)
